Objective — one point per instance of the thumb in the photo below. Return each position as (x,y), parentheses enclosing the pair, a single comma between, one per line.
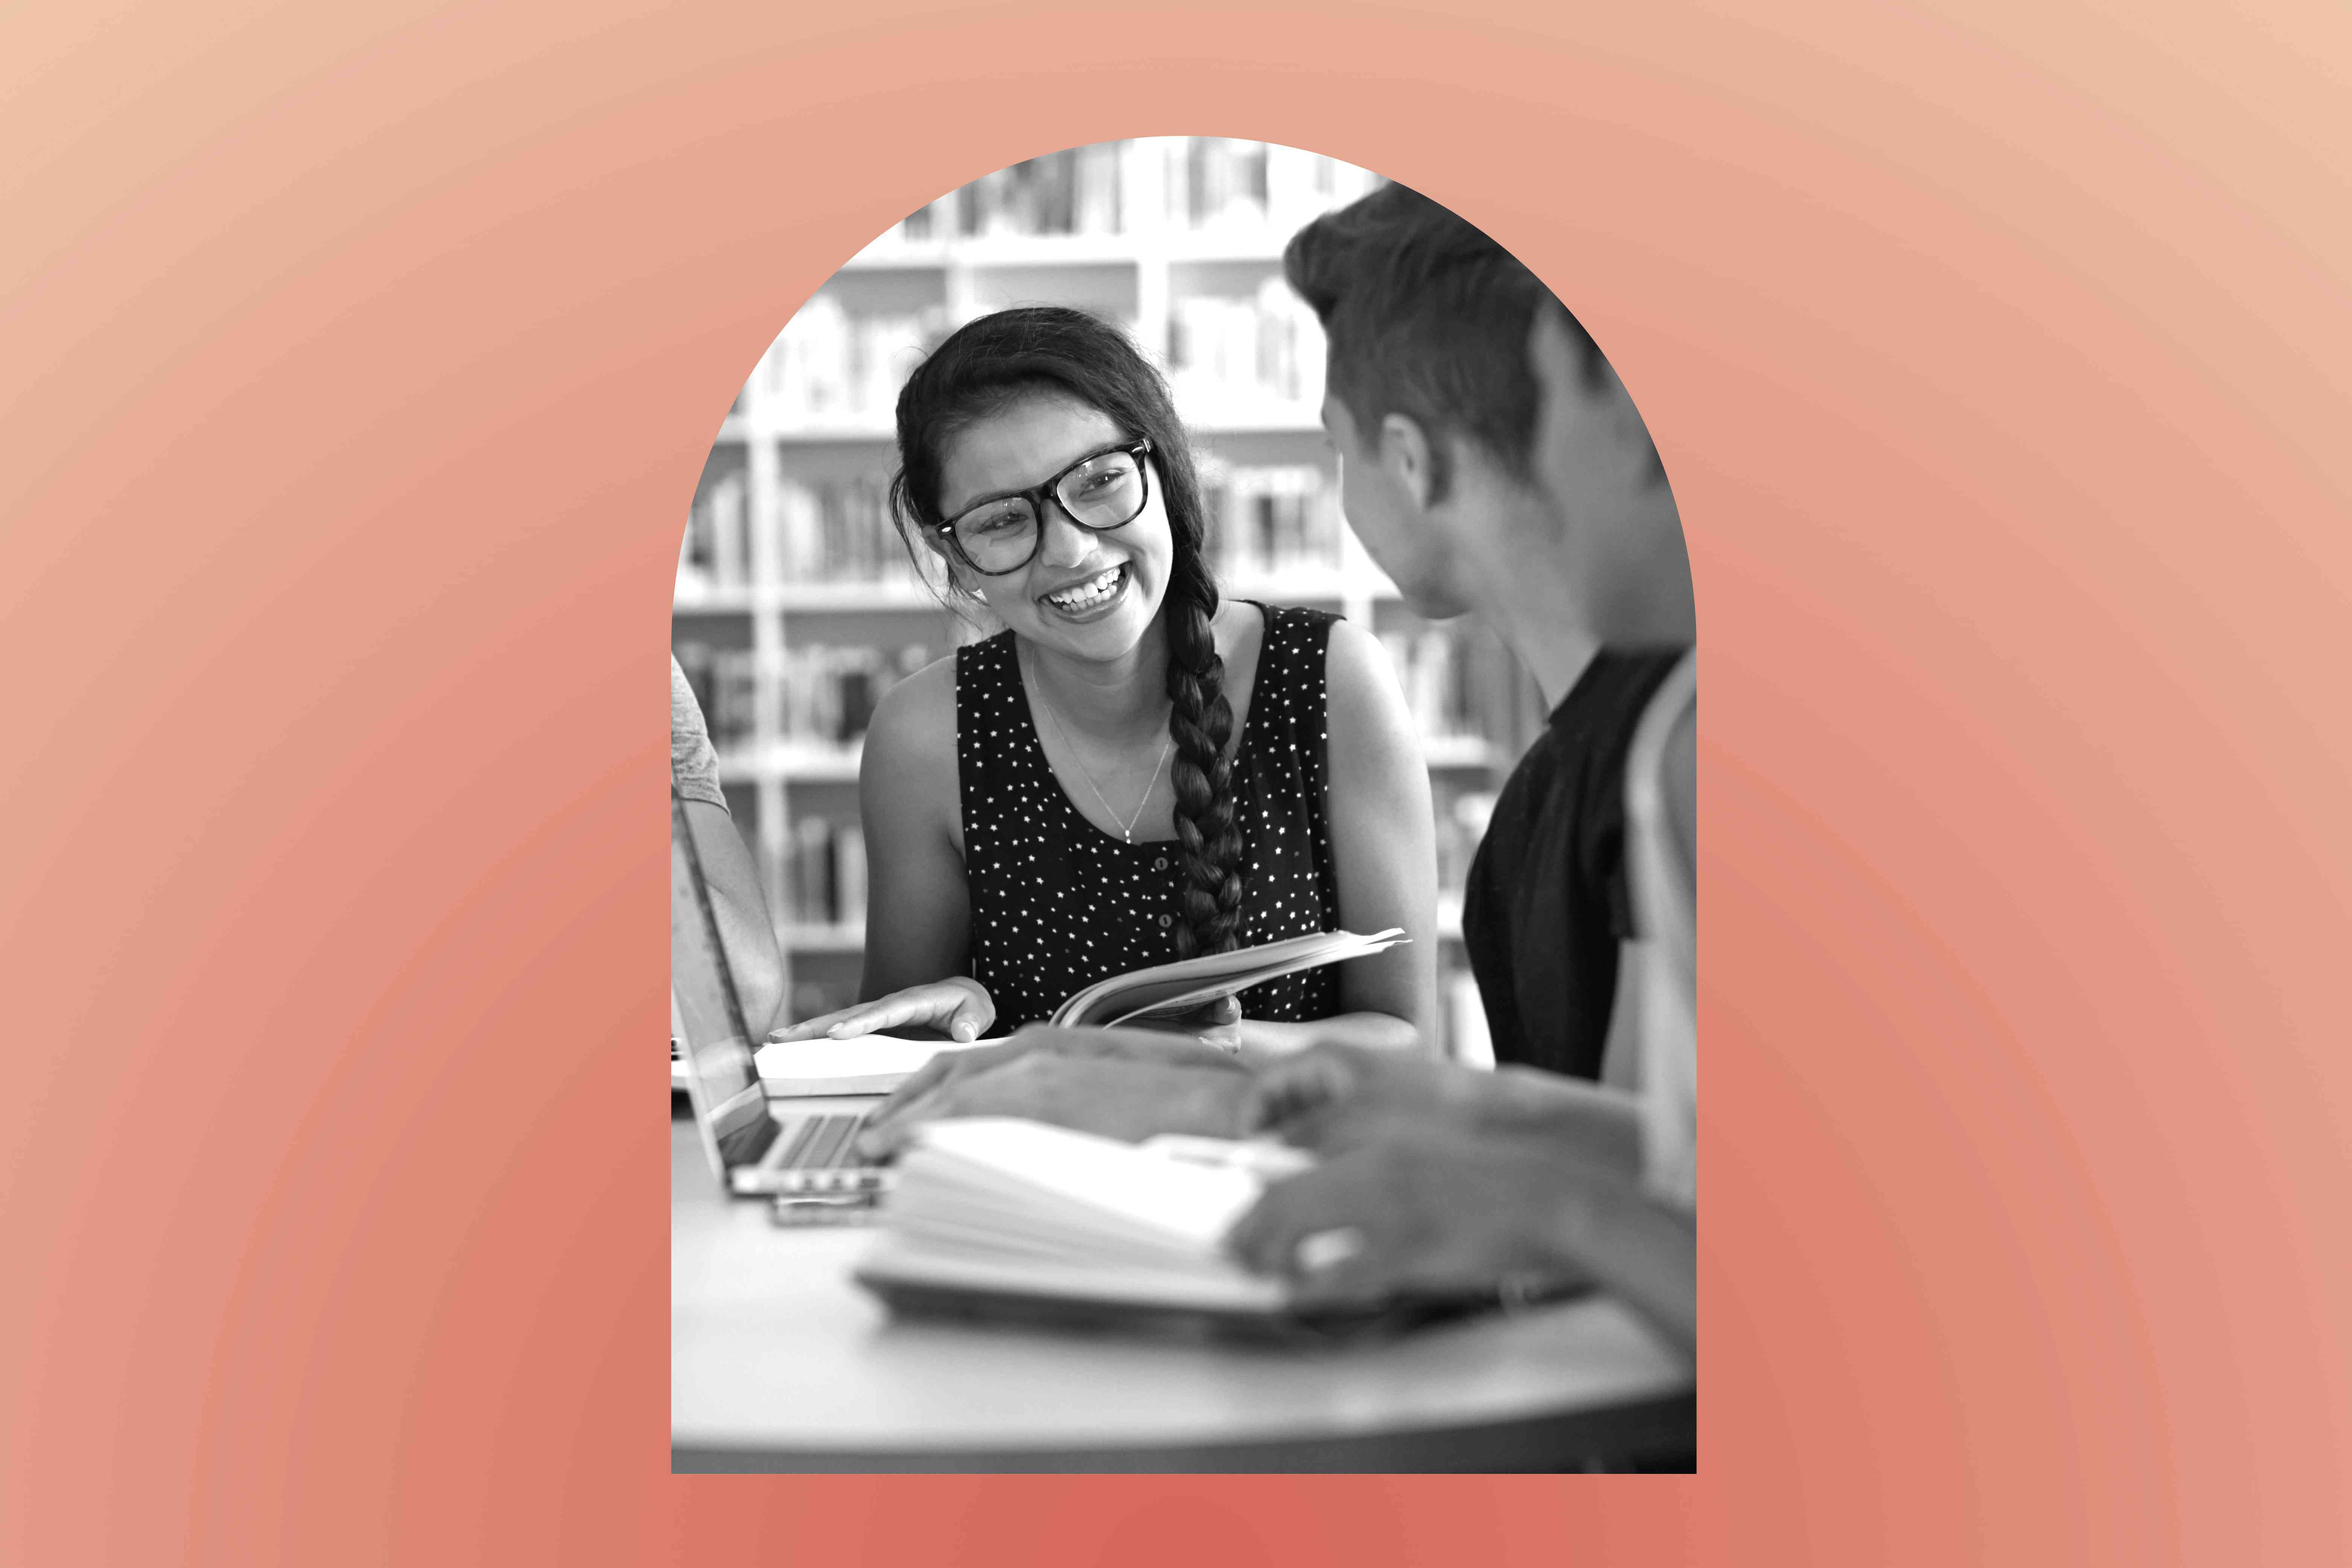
(971,1018)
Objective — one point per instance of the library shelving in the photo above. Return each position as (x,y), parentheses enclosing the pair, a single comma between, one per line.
(796,605)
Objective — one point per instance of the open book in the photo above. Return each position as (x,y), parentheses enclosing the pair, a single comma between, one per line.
(1190,983)
(999,1219)
(859,1063)
(877,1064)
(991,1209)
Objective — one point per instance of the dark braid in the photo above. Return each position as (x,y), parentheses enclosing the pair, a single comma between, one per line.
(986,365)
(1202,721)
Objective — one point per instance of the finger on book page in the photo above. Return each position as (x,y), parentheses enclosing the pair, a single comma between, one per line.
(814,1029)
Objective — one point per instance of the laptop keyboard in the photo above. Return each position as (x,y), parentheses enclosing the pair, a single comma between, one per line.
(824,1143)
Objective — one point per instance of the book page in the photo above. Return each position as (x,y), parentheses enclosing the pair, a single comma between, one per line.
(1036,1187)
(859,1063)
(1193,981)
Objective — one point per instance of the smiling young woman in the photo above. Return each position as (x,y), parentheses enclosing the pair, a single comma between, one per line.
(1134,770)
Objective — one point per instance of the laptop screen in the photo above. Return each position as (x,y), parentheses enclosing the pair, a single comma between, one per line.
(722,1079)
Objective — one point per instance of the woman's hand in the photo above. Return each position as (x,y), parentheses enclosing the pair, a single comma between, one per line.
(1217,1023)
(958,1007)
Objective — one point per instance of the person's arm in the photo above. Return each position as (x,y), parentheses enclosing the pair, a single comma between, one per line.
(918,904)
(1639,1251)
(746,931)
(1448,1209)
(1336,1097)
(1384,855)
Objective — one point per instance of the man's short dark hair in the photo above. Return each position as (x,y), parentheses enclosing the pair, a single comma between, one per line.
(1428,318)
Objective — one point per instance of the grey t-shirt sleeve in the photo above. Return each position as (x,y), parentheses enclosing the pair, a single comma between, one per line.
(692,761)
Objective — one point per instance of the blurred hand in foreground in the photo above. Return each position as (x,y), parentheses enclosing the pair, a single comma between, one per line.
(1425,1211)
(1110,1089)
(1173,1046)
(1332,1097)
(1330,1094)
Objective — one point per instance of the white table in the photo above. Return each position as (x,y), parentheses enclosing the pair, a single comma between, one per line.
(778,1362)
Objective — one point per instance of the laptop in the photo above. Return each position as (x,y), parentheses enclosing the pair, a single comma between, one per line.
(800,1156)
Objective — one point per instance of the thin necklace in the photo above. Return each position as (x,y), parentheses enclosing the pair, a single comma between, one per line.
(1127,829)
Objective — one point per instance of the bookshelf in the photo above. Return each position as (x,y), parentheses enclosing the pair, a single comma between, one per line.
(796,606)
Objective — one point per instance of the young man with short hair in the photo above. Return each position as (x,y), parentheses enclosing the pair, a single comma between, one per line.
(1493,463)
(1432,404)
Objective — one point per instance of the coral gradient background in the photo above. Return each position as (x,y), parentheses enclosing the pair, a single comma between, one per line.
(356,364)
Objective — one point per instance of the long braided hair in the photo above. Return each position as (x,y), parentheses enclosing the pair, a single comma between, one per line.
(997,359)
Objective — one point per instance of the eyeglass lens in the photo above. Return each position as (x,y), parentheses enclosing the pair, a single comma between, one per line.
(1103,492)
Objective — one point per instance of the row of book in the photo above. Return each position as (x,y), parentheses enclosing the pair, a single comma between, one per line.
(834,366)
(726,682)
(841,530)
(1264,347)
(716,553)
(1218,183)
(1271,519)
(832,531)
(824,874)
(826,694)
(1079,190)
(822,694)
(1195,184)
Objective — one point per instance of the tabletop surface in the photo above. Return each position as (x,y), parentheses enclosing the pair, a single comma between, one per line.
(780,1361)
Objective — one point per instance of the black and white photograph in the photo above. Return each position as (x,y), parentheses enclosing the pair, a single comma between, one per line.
(1184,884)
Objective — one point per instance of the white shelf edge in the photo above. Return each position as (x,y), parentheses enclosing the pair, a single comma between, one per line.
(717,602)
(802,761)
(848,596)
(829,938)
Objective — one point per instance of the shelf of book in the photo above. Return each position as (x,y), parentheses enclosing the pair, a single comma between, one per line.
(797,605)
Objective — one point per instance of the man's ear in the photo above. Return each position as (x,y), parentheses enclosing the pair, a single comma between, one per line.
(1412,460)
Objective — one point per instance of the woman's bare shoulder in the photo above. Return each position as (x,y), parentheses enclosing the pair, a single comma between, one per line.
(910,740)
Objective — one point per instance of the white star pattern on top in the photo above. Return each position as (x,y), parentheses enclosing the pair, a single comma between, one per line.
(1057,903)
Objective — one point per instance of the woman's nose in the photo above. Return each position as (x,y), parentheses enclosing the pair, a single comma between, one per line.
(1066,544)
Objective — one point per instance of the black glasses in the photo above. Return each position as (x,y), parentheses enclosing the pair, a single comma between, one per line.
(1100,492)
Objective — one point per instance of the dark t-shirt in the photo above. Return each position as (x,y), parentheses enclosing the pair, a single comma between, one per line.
(1547,903)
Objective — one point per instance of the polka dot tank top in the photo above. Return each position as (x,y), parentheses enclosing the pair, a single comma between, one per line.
(1057,903)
